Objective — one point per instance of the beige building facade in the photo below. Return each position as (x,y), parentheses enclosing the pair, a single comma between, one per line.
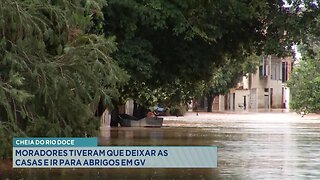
(264,89)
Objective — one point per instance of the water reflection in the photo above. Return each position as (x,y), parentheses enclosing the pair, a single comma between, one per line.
(247,149)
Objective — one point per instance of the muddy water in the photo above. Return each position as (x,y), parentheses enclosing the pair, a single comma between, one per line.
(248,148)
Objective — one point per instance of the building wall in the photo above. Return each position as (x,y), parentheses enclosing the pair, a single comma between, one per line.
(287,66)
(287,97)
(253,99)
(241,94)
(233,101)
(259,83)
(276,93)
(246,82)
(222,103)
(216,104)
(263,89)
(268,84)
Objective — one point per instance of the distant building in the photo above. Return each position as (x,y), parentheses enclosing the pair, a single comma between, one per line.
(264,89)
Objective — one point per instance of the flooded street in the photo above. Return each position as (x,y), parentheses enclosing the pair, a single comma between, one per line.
(250,146)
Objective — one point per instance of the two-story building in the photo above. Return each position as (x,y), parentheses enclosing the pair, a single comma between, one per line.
(264,89)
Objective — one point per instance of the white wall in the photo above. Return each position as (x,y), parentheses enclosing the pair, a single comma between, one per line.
(239,102)
(245,80)
(221,103)
(129,107)
(287,97)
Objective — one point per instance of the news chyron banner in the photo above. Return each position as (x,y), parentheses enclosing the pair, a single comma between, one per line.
(85,153)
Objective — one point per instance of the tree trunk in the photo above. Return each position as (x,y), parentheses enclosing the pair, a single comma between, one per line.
(99,108)
(210,98)
(114,115)
(135,107)
(139,111)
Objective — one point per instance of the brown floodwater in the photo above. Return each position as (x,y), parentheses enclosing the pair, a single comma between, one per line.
(253,147)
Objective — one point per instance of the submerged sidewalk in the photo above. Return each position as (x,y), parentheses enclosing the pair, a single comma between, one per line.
(227,116)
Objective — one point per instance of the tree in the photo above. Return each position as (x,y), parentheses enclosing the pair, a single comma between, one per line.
(59,58)
(162,43)
(52,69)
(305,86)
(304,81)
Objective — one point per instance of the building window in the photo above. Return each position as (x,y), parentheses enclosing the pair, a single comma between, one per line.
(279,71)
(275,71)
(285,72)
(263,69)
(260,71)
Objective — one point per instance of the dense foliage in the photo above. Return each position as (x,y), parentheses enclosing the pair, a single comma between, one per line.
(59,58)
(173,46)
(304,81)
(168,47)
(305,86)
(52,70)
